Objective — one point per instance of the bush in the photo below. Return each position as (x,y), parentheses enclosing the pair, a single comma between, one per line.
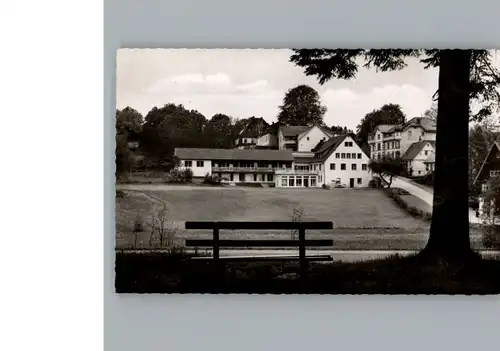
(177,175)
(120,194)
(375,183)
(397,193)
(491,236)
(212,180)
(325,186)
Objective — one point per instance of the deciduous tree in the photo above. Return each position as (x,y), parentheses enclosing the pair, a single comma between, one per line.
(301,106)
(387,168)
(464,75)
(387,114)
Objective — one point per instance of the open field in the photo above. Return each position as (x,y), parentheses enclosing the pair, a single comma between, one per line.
(364,219)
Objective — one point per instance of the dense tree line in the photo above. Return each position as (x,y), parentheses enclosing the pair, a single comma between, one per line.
(165,128)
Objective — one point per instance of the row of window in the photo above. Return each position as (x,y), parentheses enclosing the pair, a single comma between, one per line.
(389,145)
(388,135)
(348,144)
(256,178)
(347,155)
(392,153)
(298,181)
(343,166)
(190,164)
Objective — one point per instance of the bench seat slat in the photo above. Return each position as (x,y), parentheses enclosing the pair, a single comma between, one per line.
(317,258)
(258,243)
(258,225)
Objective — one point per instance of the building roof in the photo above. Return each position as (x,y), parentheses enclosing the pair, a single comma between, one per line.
(254,127)
(329,147)
(496,144)
(385,128)
(415,149)
(322,128)
(272,129)
(304,159)
(289,131)
(233,154)
(426,123)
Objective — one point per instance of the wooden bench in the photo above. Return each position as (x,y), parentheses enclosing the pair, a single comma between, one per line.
(216,243)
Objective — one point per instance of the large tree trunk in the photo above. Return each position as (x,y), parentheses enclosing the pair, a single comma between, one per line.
(449,232)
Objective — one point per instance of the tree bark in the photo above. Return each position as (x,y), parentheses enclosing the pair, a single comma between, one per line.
(449,232)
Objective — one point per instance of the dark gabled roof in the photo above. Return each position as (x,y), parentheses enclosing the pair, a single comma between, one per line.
(253,127)
(322,128)
(318,145)
(426,123)
(289,131)
(304,159)
(384,128)
(233,154)
(272,129)
(329,147)
(415,149)
(496,145)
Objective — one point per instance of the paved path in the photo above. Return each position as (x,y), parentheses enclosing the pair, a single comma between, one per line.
(338,255)
(426,194)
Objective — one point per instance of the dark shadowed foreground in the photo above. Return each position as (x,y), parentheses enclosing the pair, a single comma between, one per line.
(162,273)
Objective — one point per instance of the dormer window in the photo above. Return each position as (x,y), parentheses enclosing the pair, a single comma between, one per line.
(378,136)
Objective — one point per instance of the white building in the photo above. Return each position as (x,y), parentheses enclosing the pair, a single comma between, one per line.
(419,158)
(395,140)
(301,138)
(405,141)
(337,161)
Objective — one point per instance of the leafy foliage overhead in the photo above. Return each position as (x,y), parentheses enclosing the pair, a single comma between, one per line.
(327,64)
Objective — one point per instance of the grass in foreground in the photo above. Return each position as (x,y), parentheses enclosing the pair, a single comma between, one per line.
(163,273)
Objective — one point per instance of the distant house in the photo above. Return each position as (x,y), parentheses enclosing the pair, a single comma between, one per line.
(490,169)
(396,139)
(301,138)
(247,138)
(419,158)
(336,161)
(268,139)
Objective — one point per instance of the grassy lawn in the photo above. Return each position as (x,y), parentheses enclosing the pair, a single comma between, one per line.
(345,207)
(364,219)
(157,273)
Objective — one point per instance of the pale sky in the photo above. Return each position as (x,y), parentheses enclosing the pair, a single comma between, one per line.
(244,83)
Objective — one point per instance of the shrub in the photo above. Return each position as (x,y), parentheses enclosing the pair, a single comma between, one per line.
(212,180)
(177,175)
(188,175)
(120,194)
(325,186)
(491,236)
(375,183)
